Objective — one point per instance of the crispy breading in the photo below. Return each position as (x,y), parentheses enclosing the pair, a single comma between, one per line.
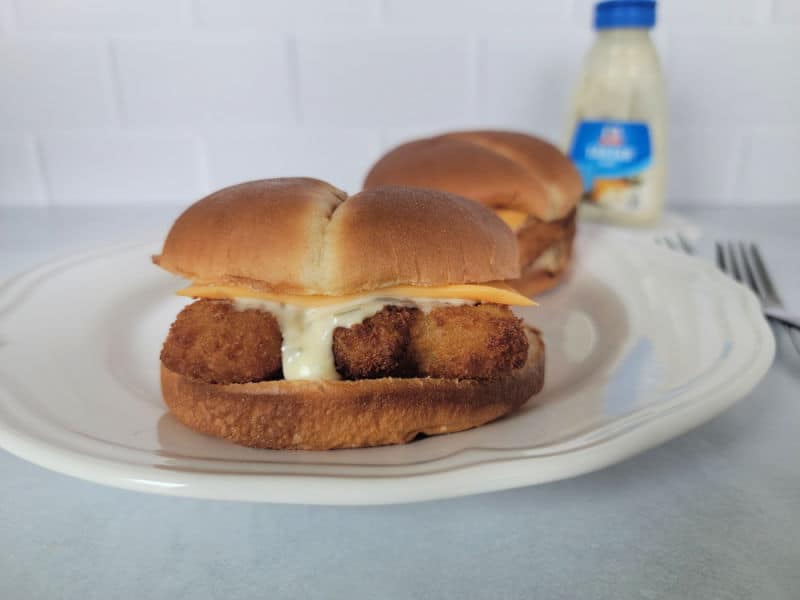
(458,342)
(214,342)
(376,347)
(468,342)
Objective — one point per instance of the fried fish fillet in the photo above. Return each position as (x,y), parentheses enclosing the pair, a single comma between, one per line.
(468,342)
(214,342)
(376,347)
(456,342)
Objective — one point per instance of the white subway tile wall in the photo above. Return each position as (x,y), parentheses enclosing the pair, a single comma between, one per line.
(787,11)
(180,83)
(100,15)
(287,15)
(475,14)
(54,83)
(337,155)
(768,162)
(702,164)
(121,167)
(754,77)
(739,12)
(528,79)
(385,80)
(145,101)
(6,16)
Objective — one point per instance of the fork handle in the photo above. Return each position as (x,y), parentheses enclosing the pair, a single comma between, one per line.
(778,314)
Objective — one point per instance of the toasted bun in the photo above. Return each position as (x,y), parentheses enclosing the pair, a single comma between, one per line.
(321,415)
(304,236)
(500,169)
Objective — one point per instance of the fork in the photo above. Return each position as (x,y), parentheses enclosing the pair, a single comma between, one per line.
(743,262)
(746,267)
(677,242)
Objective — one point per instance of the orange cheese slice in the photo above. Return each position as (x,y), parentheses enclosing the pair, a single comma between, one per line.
(497,293)
(513,218)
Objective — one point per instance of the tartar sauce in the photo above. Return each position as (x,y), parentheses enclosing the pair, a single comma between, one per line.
(616,130)
(307,349)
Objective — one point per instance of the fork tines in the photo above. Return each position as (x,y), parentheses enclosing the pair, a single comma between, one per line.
(744,263)
(678,243)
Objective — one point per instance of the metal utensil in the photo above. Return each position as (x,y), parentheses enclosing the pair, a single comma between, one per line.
(677,242)
(743,262)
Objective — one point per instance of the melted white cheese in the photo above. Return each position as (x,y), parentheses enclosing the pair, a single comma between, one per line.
(307,349)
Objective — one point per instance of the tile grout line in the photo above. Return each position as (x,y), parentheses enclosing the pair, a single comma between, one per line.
(294,78)
(480,75)
(189,14)
(12,13)
(765,13)
(203,163)
(383,12)
(43,186)
(115,84)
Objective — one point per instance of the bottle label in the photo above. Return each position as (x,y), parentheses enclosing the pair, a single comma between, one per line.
(613,158)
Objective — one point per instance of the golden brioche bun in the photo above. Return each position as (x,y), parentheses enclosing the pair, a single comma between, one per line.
(321,415)
(304,236)
(501,169)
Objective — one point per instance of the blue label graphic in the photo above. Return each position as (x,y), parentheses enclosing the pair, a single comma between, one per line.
(610,150)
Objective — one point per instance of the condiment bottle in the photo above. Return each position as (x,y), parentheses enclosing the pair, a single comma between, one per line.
(615,132)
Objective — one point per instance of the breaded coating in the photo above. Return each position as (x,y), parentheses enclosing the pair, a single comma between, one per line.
(213,342)
(460,342)
(376,347)
(468,342)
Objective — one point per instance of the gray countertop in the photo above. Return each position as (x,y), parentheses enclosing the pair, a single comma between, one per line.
(712,514)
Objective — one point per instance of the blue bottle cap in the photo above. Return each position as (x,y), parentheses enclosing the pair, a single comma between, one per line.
(625,13)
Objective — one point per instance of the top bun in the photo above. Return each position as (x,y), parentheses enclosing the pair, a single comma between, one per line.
(501,169)
(304,236)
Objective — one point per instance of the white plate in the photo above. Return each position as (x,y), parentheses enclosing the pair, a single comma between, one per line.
(642,345)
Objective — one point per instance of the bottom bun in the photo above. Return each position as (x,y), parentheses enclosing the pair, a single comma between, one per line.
(322,415)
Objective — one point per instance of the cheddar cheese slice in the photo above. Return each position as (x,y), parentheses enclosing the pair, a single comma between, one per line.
(513,218)
(497,293)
